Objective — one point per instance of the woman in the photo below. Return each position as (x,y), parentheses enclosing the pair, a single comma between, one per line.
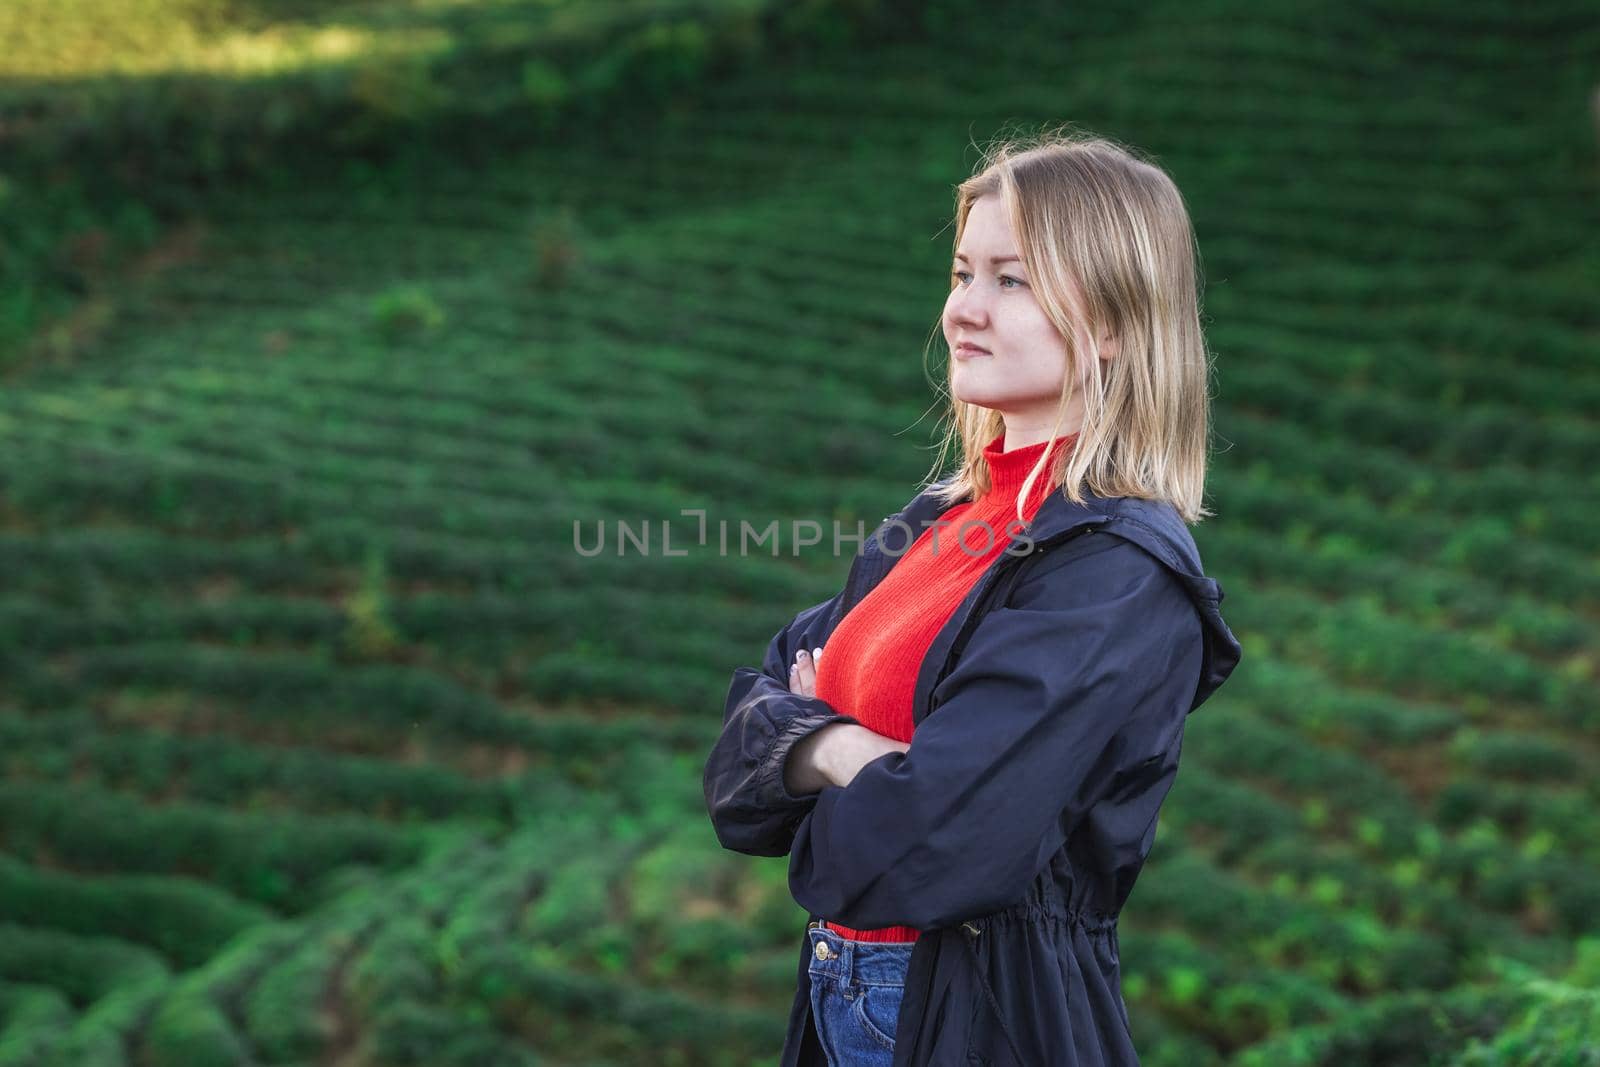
(968,786)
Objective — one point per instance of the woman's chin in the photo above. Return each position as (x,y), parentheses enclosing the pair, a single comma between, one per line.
(969,392)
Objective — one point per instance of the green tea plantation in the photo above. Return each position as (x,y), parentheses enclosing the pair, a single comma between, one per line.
(325,328)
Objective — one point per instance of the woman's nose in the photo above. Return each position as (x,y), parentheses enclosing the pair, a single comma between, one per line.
(965,308)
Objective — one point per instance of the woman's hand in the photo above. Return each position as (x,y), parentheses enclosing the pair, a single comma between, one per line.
(851,747)
(803,672)
(835,754)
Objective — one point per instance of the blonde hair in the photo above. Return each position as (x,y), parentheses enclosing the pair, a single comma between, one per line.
(1090,209)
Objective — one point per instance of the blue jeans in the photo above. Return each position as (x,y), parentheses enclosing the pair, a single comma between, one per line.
(856,988)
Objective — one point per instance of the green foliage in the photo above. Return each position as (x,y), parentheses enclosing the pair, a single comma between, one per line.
(85,968)
(34,1018)
(193,1029)
(557,246)
(116,133)
(371,633)
(405,89)
(397,965)
(283,1010)
(1558,1027)
(186,922)
(411,1034)
(1524,1018)
(101,1035)
(405,311)
(261,857)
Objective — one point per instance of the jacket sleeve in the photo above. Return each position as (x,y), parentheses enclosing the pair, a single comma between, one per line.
(751,810)
(1088,671)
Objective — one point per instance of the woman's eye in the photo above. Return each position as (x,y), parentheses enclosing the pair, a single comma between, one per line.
(958,274)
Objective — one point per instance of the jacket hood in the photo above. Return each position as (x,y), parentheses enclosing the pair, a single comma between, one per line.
(1153,525)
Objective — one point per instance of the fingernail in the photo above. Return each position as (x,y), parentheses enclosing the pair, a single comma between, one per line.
(802,654)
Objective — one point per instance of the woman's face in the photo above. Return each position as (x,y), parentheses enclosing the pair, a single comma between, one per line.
(1023,371)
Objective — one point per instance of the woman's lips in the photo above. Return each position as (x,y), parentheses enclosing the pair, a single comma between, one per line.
(966,351)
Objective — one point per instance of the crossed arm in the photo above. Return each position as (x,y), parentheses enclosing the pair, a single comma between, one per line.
(1071,692)
(1074,692)
(780,745)
(835,754)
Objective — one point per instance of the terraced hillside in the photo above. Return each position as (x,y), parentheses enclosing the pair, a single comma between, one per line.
(320,743)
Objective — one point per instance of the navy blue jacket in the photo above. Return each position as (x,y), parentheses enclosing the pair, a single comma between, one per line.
(1011,831)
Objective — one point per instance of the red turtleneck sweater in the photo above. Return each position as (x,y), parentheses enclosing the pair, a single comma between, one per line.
(871,660)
